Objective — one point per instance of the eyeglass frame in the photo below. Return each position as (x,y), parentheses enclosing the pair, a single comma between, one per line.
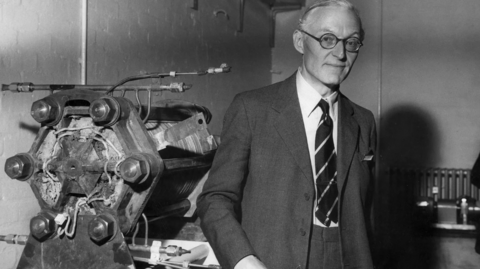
(318,39)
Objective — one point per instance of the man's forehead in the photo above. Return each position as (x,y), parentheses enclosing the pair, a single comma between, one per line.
(332,19)
(334,30)
(323,10)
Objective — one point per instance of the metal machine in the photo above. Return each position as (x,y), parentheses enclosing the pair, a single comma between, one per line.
(462,214)
(99,163)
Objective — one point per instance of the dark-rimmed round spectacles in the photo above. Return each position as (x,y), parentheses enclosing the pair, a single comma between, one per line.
(329,41)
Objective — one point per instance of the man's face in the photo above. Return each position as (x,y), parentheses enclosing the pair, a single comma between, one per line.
(328,67)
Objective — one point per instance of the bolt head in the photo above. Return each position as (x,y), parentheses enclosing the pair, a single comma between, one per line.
(43,225)
(43,112)
(134,169)
(19,167)
(101,228)
(105,111)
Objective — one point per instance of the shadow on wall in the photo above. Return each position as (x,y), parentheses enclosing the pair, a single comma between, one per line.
(30,128)
(409,139)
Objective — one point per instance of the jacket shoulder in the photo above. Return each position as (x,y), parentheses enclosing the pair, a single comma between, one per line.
(274,93)
(260,96)
(359,111)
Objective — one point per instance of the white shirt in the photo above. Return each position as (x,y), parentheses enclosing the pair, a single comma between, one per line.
(312,113)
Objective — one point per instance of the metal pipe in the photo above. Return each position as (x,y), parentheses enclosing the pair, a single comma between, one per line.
(83,59)
(241,10)
(30,87)
(14,239)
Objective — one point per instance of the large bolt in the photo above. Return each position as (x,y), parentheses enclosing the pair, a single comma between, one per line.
(43,225)
(44,111)
(101,228)
(105,111)
(135,169)
(20,166)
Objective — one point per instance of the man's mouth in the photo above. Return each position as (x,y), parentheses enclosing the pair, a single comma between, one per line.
(337,65)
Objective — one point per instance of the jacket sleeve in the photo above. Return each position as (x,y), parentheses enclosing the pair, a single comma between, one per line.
(219,203)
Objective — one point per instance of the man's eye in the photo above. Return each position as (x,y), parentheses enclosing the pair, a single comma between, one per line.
(329,39)
(352,42)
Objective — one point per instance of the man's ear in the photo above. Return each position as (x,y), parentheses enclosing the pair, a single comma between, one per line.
(298,41)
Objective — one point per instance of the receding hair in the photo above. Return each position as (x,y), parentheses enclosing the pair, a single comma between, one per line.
(303,22)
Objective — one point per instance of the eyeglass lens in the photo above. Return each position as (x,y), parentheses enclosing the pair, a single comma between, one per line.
(329,41)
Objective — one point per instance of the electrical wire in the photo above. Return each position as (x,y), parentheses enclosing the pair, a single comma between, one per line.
(50,177)
(45,164)
(133,78)
(137,228)
(105,141)
(60,231)
(149,106)
(74,129)
(146,228)
(138,102)
(70,131)
(116,168)
(109,142)
(119,157)
(80,201)
(224,68)
(96,199)
(135,234)
(106,172)
(95,191)
(104,144)
(77,207)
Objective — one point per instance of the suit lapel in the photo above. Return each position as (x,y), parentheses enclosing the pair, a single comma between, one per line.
(290,127)
(347,139)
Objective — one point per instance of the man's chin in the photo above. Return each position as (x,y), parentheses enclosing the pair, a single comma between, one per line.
(332,83)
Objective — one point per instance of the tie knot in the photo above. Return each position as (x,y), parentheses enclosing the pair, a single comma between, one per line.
(325,109)
(324,106)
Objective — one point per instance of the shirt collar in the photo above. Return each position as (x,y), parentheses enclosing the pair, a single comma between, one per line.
(309,97)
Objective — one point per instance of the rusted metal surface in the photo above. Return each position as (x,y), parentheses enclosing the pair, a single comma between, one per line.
(93,168)
(84,199)
(79,253)
(78,164)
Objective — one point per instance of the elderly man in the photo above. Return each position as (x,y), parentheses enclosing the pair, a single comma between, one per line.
(290,186)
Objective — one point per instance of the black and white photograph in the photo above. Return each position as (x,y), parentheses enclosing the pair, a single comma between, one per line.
(239,134)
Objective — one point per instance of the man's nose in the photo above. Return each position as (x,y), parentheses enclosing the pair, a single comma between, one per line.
(339,50)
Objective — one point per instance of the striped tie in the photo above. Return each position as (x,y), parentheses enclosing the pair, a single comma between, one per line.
(326,169)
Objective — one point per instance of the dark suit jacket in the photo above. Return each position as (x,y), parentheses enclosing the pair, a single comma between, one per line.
(260,194)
